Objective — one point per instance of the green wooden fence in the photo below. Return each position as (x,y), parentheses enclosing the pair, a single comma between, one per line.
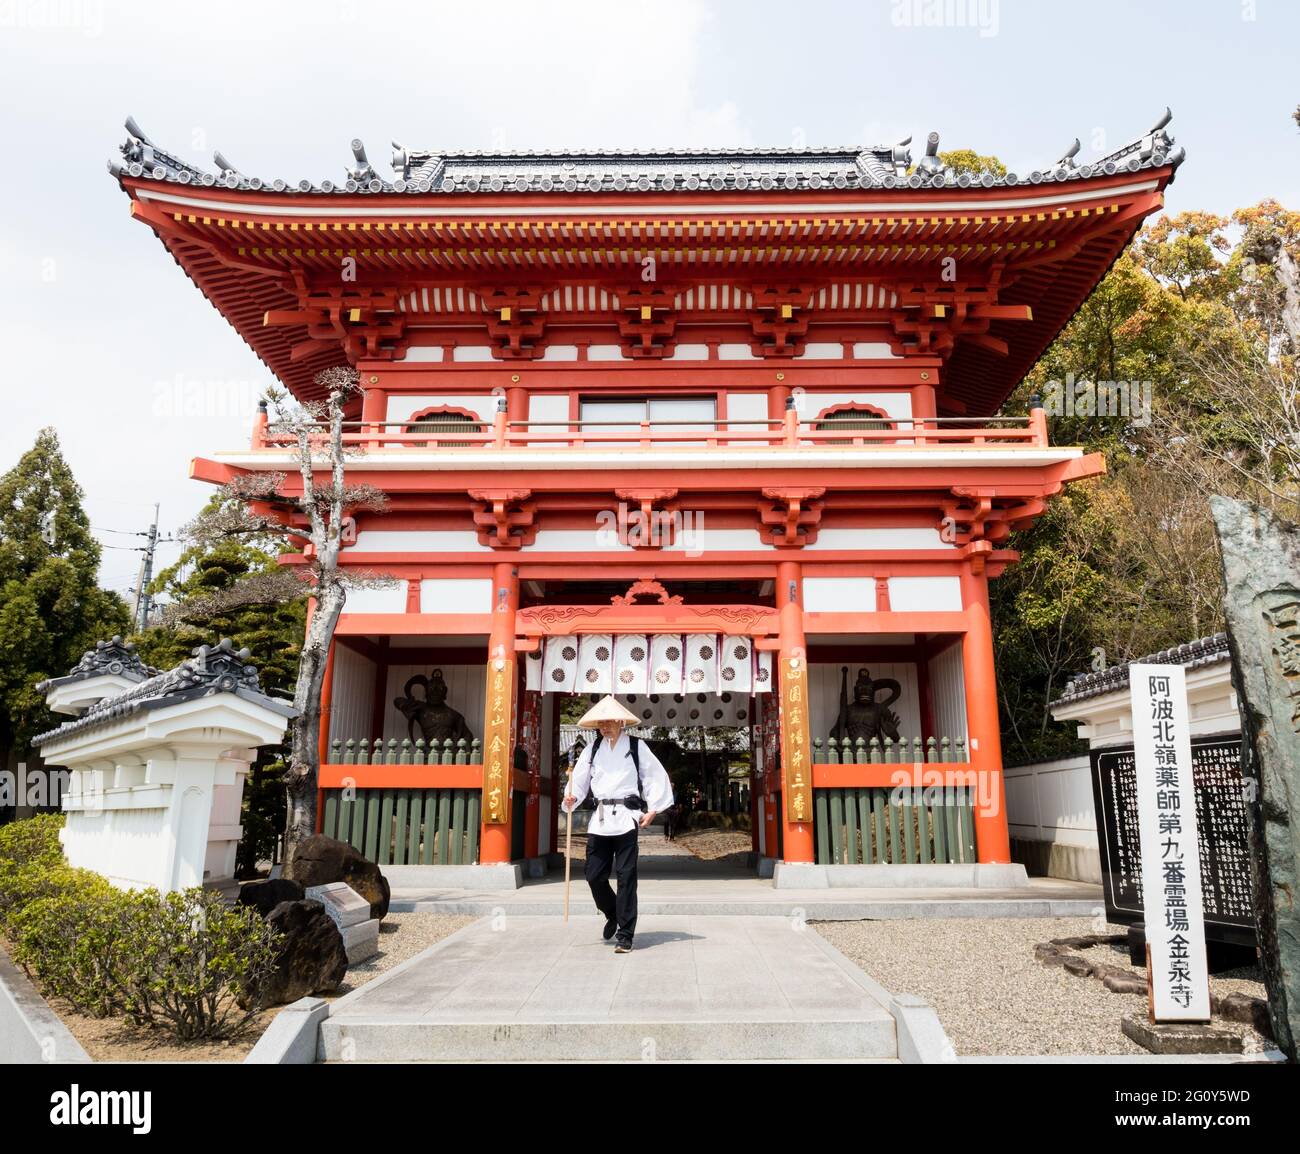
(875,752)
(406,826)
(882,825)
(405,752)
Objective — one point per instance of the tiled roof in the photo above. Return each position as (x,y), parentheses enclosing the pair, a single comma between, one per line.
(658,170)
(115,657)
(1192,655)
(212,669)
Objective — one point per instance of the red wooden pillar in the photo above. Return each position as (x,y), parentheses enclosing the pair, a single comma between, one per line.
(498,721)
(984,737)
(796,747)
(374,411)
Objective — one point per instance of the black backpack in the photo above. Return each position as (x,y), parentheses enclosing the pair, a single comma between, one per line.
(634,746)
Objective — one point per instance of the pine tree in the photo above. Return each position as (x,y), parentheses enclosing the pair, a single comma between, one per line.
(51,606)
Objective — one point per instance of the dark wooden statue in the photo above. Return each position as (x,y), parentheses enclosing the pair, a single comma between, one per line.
(868,715)
(430,711)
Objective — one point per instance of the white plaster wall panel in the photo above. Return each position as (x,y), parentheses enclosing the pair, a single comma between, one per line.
(548,407)
(948,691)
(352,694)
(419,541)
(695,538)
(592,541)
(560,353)
(632,663)
(874,351)
(824,682)
(479,353)
(925,594)
(403,406)
(422,353)
(821,351)
(736,353)
(382,599)
(811,403)
(466,691)
(689,353)
(456,595)
(1052,801)
(748,407)
(839,594)
(604,352)
(881,539)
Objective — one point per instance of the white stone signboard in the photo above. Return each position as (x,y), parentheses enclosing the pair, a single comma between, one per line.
(1171,862)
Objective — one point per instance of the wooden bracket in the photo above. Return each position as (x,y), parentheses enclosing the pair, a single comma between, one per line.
(791,516)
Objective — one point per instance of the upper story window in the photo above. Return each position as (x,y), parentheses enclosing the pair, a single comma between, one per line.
(850,418)
(670,415)
(444,421)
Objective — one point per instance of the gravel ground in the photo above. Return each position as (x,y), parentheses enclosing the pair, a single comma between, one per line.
(717,844)
(994,997)
(401,936)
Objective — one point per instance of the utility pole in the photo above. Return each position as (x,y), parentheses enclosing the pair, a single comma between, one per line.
(141,611)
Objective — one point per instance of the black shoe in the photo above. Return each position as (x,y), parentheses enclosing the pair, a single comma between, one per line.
(622,947)
(610,927)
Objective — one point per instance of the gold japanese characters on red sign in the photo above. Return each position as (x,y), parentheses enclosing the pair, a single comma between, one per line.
(497,761)
(796,759)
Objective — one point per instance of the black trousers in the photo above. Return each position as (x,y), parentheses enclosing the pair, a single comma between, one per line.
(619,853)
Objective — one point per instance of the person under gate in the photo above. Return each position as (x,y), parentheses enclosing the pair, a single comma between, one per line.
(630,786)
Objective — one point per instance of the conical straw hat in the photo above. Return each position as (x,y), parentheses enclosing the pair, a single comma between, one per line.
(607,709)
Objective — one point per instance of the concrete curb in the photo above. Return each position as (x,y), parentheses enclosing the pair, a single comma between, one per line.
(920,1034)
(822,909)
(492,876)
(809,876)
(31,1032)
(292,1037)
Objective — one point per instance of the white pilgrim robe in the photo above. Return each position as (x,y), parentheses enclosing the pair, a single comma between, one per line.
(614,775)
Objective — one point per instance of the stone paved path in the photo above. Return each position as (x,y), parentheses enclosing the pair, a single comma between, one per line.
(521,987)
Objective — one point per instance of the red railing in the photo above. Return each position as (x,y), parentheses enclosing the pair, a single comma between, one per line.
(790,432)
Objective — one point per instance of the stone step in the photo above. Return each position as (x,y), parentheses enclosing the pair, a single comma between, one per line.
(520,988)
(806,1039)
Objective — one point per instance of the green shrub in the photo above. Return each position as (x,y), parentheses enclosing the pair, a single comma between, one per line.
(189,959)
(32,841)
(180,963)
(21,885)
(75,940)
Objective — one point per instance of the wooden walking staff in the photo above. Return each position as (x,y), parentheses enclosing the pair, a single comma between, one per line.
(568,836)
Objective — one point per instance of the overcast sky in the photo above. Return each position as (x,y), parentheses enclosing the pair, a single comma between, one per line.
(108,341)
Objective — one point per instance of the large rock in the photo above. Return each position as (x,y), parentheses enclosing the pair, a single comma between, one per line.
(265,895)
(313,959)
(1261,572)
(321,860)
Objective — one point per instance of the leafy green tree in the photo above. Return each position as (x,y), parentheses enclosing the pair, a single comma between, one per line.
(51,606)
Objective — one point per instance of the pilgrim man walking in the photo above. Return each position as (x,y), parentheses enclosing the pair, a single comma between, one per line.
(630,786)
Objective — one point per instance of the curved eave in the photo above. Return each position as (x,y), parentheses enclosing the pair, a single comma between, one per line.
(904,220)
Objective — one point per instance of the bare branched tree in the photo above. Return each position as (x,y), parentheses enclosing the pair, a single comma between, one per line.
(308,515)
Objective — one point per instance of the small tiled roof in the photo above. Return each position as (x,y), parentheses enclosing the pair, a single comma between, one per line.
(114,657)
(212,669)
(658,170)
(1192,655)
